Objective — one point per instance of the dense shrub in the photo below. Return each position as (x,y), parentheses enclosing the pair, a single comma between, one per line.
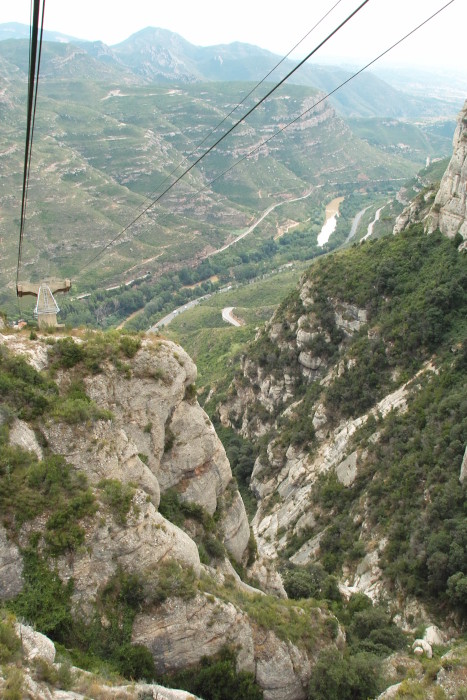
(340,677)
(66,353)
(135,661)
(45,601)
(130,345)
(304,582)
(29,488)
(171,579)
(10,643)
(216,678)
(22,388)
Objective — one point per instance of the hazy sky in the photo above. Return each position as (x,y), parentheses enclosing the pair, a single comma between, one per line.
(270,25)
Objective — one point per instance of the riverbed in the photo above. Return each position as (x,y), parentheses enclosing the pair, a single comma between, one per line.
(330,222)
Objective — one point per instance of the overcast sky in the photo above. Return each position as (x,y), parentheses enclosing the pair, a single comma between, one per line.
(270,25)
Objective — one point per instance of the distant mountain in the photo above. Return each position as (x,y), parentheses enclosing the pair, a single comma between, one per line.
(442,83)
(160,54)
(114,122)
(15,30)
(157,55)
(70,61)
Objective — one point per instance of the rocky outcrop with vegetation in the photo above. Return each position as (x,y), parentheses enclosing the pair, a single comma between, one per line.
(443,207)
(122,525)
(353,395)
(125,539)
(449,212)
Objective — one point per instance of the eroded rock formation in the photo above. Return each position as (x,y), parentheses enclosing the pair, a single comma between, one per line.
(449,212)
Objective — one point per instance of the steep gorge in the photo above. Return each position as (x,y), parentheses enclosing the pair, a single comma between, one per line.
(123,530)
(122,424)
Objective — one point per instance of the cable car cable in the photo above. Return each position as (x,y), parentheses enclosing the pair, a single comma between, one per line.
(35,50)
(185,158)
(229,131)
(254,150)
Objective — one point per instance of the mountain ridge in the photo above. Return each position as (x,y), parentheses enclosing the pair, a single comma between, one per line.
(171,58)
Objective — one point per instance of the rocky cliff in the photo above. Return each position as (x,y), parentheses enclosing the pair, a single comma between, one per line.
(448,212)
(444,207)
(330,390)
(128,488)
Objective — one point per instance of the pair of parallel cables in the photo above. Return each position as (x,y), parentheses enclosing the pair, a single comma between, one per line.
(35,50)
(34,67)
(256,105)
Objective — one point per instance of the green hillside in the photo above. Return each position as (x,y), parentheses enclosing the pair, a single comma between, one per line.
(101,148)
(413,288)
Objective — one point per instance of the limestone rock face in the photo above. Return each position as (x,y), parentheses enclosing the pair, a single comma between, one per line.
(103,451)
(368,576)
(303,338)
(11,567)
(180,633)
(139,546)
(346,471)
(310,453)
(421,646)
(236,528)
(22,436)
(449,212)
(283,674)
(268,577)
(158,438)
(463,472)
(415,211)
(349,317)
(34,353)
(295,479)
(196,462)
(143,404)
(35,645)
(433,635)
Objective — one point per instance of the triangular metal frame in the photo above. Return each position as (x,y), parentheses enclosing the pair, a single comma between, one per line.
(46,303)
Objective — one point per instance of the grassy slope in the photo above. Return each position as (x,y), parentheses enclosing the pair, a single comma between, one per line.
(97,155)
(214,344)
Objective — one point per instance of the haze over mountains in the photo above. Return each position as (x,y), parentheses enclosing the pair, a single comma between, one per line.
(158,55)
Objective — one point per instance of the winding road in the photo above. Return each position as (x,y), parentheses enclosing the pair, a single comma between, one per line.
(263,216)
(372,224)
(228,316)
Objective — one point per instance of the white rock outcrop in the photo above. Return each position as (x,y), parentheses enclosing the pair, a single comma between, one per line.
(434,636)
(463,472)
(158,437)
(196,462)
(179,633)
(34,644)
(421,647)
(22,436)
(235,526)
(449,211)
(146,540)
(11,567)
